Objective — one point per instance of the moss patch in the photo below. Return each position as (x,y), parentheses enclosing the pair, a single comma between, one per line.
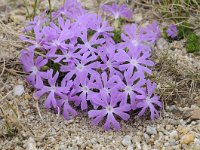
(193,43)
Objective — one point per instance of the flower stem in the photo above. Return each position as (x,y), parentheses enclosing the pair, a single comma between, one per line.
(35,8)
(50,8)
(26,6)
(116,24)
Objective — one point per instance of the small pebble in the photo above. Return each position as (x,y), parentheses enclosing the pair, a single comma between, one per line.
(186,139)
(169,127)
(18,90)
(195,115)
(138,145)
(130,147)
(137,18)
(127,140)
(172,108)
(174,135)
(30,144)
(182,129)
(197,141)
(146,136)
(151,130)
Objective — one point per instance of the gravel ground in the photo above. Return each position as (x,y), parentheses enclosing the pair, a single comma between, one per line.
(24,125)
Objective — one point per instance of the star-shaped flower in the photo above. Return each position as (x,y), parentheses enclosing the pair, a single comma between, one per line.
(109,110)
(148,100)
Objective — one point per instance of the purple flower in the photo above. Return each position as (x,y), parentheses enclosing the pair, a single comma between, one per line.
(109,109)
(67,108)
(66,101)
(148,100)
(56,43)
(134,59)
(37,43)
(55,36)
(67,56)
(38,21)
(105,83)
(86,65)
(71,9)
(84,90)
(133,40)
(172,31)
(63,26)
(118,11)
(107,54)
(100,26)
(33,67)
(88,44)
(53,90)
(83,22)
(131,88)
(151,33)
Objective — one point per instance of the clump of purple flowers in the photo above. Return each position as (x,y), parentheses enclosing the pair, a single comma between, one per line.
(74,61)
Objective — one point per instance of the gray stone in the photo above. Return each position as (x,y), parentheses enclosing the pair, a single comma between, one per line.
(127,140)
(151,130)
(138,145)
(144,146)
(197,141)
(166,144)
(174,135)
(30,144)
(146,136)
(130,147)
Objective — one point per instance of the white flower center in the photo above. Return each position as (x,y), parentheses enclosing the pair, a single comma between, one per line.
(53,88)
(67,55)
(80,67)
(99,30)
(37,45)
(38,22)
(128,89)
(56,43)
(109,109)
(107,90)
(85,89)
(148,100)
(116,15)
(108,63)
(87,44)
(34,69)
(133,62)
(135,42)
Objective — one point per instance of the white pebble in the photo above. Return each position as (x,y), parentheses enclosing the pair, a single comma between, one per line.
(30,144)
(151,130)
(174,135)
(130,147)
(137,18)
(127,140)
(18,90)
